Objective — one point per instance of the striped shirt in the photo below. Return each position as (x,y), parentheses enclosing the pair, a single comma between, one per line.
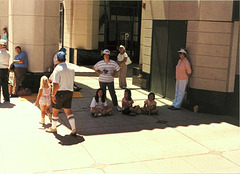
(108,69)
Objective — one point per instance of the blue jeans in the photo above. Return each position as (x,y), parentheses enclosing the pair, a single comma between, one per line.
(111,89)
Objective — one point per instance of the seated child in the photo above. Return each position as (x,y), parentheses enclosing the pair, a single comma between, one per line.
(127,102)
(99,105)
(150,105)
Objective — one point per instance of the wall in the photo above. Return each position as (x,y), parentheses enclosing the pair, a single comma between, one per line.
(81,21)
(34,27)
(3,15)
(212,49)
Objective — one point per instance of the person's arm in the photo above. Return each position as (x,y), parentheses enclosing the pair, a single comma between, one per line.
(97,71)
(38,97)
(124,61)
(18,61)
(54,92)
(188,68)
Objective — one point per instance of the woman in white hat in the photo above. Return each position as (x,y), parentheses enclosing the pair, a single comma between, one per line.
(183,71)
(121,60)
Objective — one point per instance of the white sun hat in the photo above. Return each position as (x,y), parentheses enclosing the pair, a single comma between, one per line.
(182,51)
(106,51)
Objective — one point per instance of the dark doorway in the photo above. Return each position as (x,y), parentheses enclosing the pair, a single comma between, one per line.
(167,38)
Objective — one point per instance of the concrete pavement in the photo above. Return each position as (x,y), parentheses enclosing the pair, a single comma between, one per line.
(188,143)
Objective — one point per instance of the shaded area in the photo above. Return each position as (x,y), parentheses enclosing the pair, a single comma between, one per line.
(68,140)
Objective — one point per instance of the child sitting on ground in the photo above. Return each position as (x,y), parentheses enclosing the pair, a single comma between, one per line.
(44,99)
(99,105)
(150,105)
(127,103)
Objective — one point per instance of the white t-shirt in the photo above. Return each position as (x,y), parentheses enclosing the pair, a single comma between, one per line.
(64,75)
(120,56)
(109,68)
(4,59)
(99,104)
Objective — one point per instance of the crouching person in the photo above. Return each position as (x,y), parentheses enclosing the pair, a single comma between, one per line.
(99,105)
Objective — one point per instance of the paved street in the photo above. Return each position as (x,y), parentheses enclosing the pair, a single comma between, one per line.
(172,142)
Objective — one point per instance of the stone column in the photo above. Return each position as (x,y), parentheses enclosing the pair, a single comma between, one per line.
(34,26)
(81,21)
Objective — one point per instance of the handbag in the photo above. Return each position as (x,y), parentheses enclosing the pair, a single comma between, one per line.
(128,61)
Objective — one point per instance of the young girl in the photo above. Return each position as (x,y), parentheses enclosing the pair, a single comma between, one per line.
(150,105)
(5,36)
(44,99)
(99,105)
(127,102)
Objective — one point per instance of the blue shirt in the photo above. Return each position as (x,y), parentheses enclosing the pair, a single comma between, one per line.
(22,55)
(5,36)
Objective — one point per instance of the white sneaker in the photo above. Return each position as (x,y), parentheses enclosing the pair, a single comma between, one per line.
(51,130)
(119,109)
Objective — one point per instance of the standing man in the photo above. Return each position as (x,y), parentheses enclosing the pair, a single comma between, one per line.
(62,92)
(20,70)
(4,64)
(107,69)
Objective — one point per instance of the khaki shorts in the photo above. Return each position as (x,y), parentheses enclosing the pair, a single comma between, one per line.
(64,100)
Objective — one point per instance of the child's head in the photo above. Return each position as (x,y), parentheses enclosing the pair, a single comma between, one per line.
(5,30)
(100,94)
(151,96)
(127,94)
(44,83)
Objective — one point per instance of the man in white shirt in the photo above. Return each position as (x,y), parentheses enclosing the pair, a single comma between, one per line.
(62,79)
(4,65)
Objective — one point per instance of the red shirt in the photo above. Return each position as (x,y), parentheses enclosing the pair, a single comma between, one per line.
(183,69)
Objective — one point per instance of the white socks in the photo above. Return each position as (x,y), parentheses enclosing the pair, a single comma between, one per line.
(72,121)
(54,122)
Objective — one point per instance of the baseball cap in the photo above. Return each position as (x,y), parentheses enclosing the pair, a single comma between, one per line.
(182,51)
(121,46)
(61,56)
(3,42)
(106,51)
(63,49)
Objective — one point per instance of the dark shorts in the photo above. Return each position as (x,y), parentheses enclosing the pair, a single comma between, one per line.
(64,100)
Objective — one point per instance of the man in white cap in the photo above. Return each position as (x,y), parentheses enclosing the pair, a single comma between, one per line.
(4,64)
(107,69)
(62,92)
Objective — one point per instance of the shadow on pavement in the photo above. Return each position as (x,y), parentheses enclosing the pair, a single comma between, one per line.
(69,140)
(6,105)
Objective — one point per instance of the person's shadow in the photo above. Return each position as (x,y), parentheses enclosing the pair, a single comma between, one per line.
(6,105)
(69,140)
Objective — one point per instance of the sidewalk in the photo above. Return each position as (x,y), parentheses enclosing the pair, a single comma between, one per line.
(188,143)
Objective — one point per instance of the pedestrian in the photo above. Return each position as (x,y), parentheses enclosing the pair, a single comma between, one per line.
(99,105)
(150,105)
(183,71)
(107,69)
(44,99)
(62,93)
(127,104)
(122,59)
(5,36)
(4,64)
(20,70)
(55,63)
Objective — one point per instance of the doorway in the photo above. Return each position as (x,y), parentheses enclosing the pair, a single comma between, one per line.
(167,38)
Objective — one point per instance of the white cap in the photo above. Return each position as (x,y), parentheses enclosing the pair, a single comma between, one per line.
(182,51)
(3,42)
(121,46)
(106,51)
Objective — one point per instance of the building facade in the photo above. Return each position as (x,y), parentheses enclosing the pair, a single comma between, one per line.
(209,30)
